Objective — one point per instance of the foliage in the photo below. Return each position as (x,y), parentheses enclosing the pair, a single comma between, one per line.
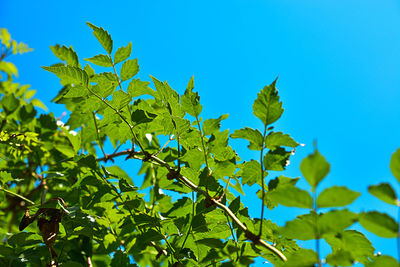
(56,178)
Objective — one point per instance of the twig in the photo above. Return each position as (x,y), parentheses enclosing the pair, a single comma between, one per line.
(262,178)
(161,149)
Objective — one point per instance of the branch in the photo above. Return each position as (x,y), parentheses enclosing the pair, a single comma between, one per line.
(187,182)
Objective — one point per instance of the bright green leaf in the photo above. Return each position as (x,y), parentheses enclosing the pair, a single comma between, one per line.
(66,54)
(103,37)
(211,126)
(314,168)
(122,53)
(190,101)
(267,106)
(250,172)
(336,196)
(253,136)
(395,164)
(292,197)
(129,69)
(380,224)
(69,74)
(101,60)
(276,139)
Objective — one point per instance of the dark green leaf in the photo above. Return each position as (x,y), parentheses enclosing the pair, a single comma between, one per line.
(336,196)
(101,60)
(122,53)
(380,224)
(10,103)
(129,69)
(395,164)
(267,106)
(103,37)
(314,168)
(384,192)
(253,136)
(276,160)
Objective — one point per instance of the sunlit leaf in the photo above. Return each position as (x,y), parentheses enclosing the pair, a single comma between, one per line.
(380,224)
(122,53)
(336,196)
(314,168)
(101,60)
(267,106)
(384,192)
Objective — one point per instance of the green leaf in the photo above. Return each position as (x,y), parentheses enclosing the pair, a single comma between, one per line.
(302,258)
(276,160)
(384,260)
(190,101)
(351,241)
(137,88)
(302,227)
(103,37)
(276,139)
(335,221)
(10,103)
(336,196)
(253,136)
(314,168)
(69,74)
(292,197)
(384,192)
(267,106)
(129,69)
(120,99)
(250,172)
(101,60)
(380,224)
(66,54)
(340,258)
(211,126)
(395,164)
(122,53)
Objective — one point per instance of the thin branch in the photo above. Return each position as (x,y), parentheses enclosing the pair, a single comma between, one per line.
(17,195)
(204,151)
(120,115)
(128,152)
(226,188)
(187,182)
(262,179)
(171,137)
(191,185)
(316,230)
(98,135)
(190,225)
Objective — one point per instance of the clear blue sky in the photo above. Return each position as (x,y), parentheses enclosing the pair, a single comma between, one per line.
(338,63)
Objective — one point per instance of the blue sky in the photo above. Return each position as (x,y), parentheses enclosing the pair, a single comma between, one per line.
(338,63)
